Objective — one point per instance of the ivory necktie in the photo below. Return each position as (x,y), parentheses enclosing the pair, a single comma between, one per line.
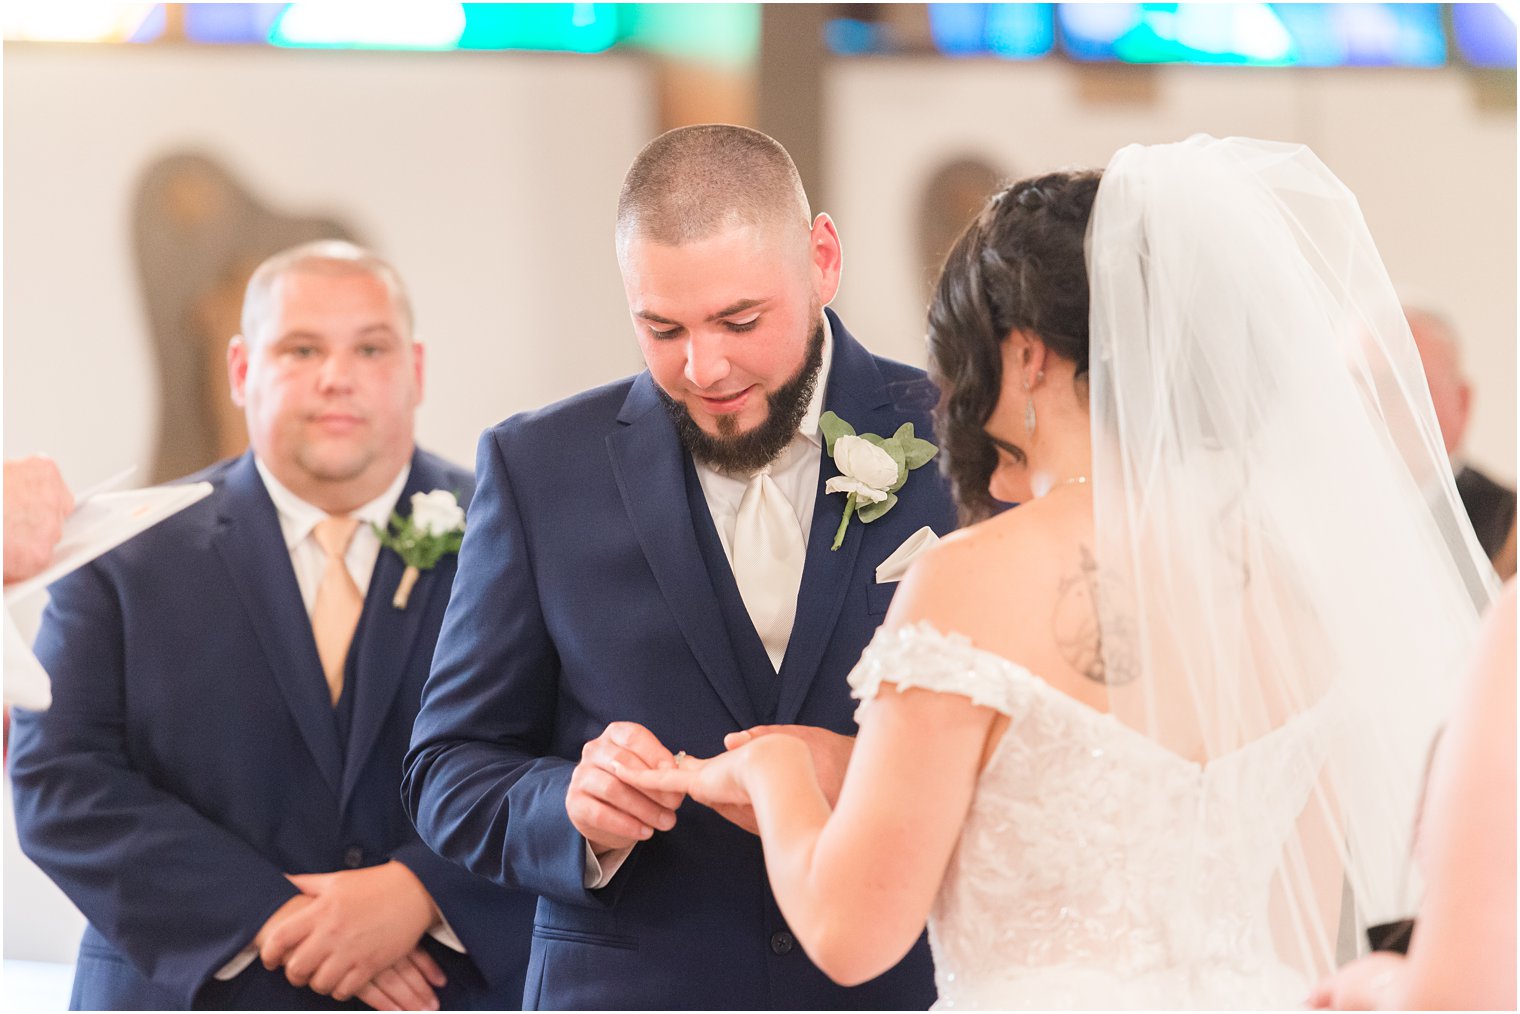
(768,559)
(335,614)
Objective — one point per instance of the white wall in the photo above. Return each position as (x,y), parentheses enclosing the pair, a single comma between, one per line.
(1435,176)
(490,180)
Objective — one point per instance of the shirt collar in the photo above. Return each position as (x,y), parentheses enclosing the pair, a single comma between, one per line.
(808,428)
(298,518)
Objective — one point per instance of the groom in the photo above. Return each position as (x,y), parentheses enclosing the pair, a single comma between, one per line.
(648,569)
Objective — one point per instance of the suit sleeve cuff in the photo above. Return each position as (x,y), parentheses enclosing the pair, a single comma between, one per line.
(246,956)
(234,968)
(601,870)
(442,932)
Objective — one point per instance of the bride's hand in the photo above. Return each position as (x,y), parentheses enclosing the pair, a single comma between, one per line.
(715,781)
(1361,985)
(830,752)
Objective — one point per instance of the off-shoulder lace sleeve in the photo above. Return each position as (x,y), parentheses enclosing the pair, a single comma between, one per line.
(920,656)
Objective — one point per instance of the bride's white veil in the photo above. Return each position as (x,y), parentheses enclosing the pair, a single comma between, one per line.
(1279,537)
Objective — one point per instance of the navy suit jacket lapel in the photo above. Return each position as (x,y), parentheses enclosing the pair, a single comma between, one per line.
(250,542)
(387,636)
(858,394)
(648,465)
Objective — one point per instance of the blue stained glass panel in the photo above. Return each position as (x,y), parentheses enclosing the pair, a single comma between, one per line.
(230,23)
(1020,31)
(576,28)
(1485,34)
(1015,31)
(959,29)
(1366,34)
(849,37)
(1259,34)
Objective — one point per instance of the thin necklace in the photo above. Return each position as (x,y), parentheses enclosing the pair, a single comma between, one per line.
(1079,479)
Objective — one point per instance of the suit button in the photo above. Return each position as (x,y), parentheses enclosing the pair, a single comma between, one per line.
(353,857)
(782,943)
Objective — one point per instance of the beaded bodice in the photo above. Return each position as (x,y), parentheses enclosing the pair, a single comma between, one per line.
(1093,859)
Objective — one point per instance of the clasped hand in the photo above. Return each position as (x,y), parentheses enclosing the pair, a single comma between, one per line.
(356,933)
(628,784)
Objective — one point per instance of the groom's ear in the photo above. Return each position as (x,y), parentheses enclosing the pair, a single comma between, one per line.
(827,256)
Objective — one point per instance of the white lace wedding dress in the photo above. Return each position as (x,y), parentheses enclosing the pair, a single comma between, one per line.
(1096,868)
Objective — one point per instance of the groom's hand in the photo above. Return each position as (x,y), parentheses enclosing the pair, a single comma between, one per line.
(830,750)
(607,811)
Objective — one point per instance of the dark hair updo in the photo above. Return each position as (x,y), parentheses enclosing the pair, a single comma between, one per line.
(1018,266)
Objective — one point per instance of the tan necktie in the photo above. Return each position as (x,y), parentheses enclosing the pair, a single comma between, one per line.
(768,558)
(335,614)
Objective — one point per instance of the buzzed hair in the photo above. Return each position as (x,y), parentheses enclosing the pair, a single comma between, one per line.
(693,182)
(323,256)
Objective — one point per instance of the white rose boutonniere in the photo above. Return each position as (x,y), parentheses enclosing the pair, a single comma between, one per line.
(437,513)
(434,530)
(872,468)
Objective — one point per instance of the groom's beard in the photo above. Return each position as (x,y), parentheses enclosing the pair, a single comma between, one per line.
(743,453)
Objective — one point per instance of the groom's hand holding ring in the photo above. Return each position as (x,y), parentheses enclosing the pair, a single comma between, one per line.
(608,811)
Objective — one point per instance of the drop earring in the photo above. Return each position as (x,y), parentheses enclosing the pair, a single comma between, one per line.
(1029,405)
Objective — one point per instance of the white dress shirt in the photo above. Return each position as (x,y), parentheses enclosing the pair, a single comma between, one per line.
(298,519)
(795,472)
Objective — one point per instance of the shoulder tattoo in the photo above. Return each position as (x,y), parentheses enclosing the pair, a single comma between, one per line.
(1090,631)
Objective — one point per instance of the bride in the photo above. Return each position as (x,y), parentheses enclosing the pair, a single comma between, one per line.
(1155,737)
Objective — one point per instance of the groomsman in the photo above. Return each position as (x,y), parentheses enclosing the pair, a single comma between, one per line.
(216,783)
(649,569)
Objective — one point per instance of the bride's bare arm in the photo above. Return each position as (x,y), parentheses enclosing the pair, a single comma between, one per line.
(856,885)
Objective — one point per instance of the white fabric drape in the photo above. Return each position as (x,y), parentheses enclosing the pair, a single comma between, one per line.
(1278,532)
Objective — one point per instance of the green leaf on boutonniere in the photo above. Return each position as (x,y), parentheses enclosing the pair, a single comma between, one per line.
(916,452)
(871,511)
(833,428)
(919,452)
(892,448)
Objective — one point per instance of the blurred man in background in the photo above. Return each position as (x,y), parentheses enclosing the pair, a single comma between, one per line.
(1490,504)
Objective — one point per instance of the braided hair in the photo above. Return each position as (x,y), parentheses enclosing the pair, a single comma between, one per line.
(1019,265)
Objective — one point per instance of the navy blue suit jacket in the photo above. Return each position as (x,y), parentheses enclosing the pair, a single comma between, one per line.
(192,758)
(583,598)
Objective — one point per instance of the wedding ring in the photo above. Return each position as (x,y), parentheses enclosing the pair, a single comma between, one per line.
(680,757)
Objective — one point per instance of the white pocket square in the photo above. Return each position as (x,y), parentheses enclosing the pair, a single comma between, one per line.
(895,566)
